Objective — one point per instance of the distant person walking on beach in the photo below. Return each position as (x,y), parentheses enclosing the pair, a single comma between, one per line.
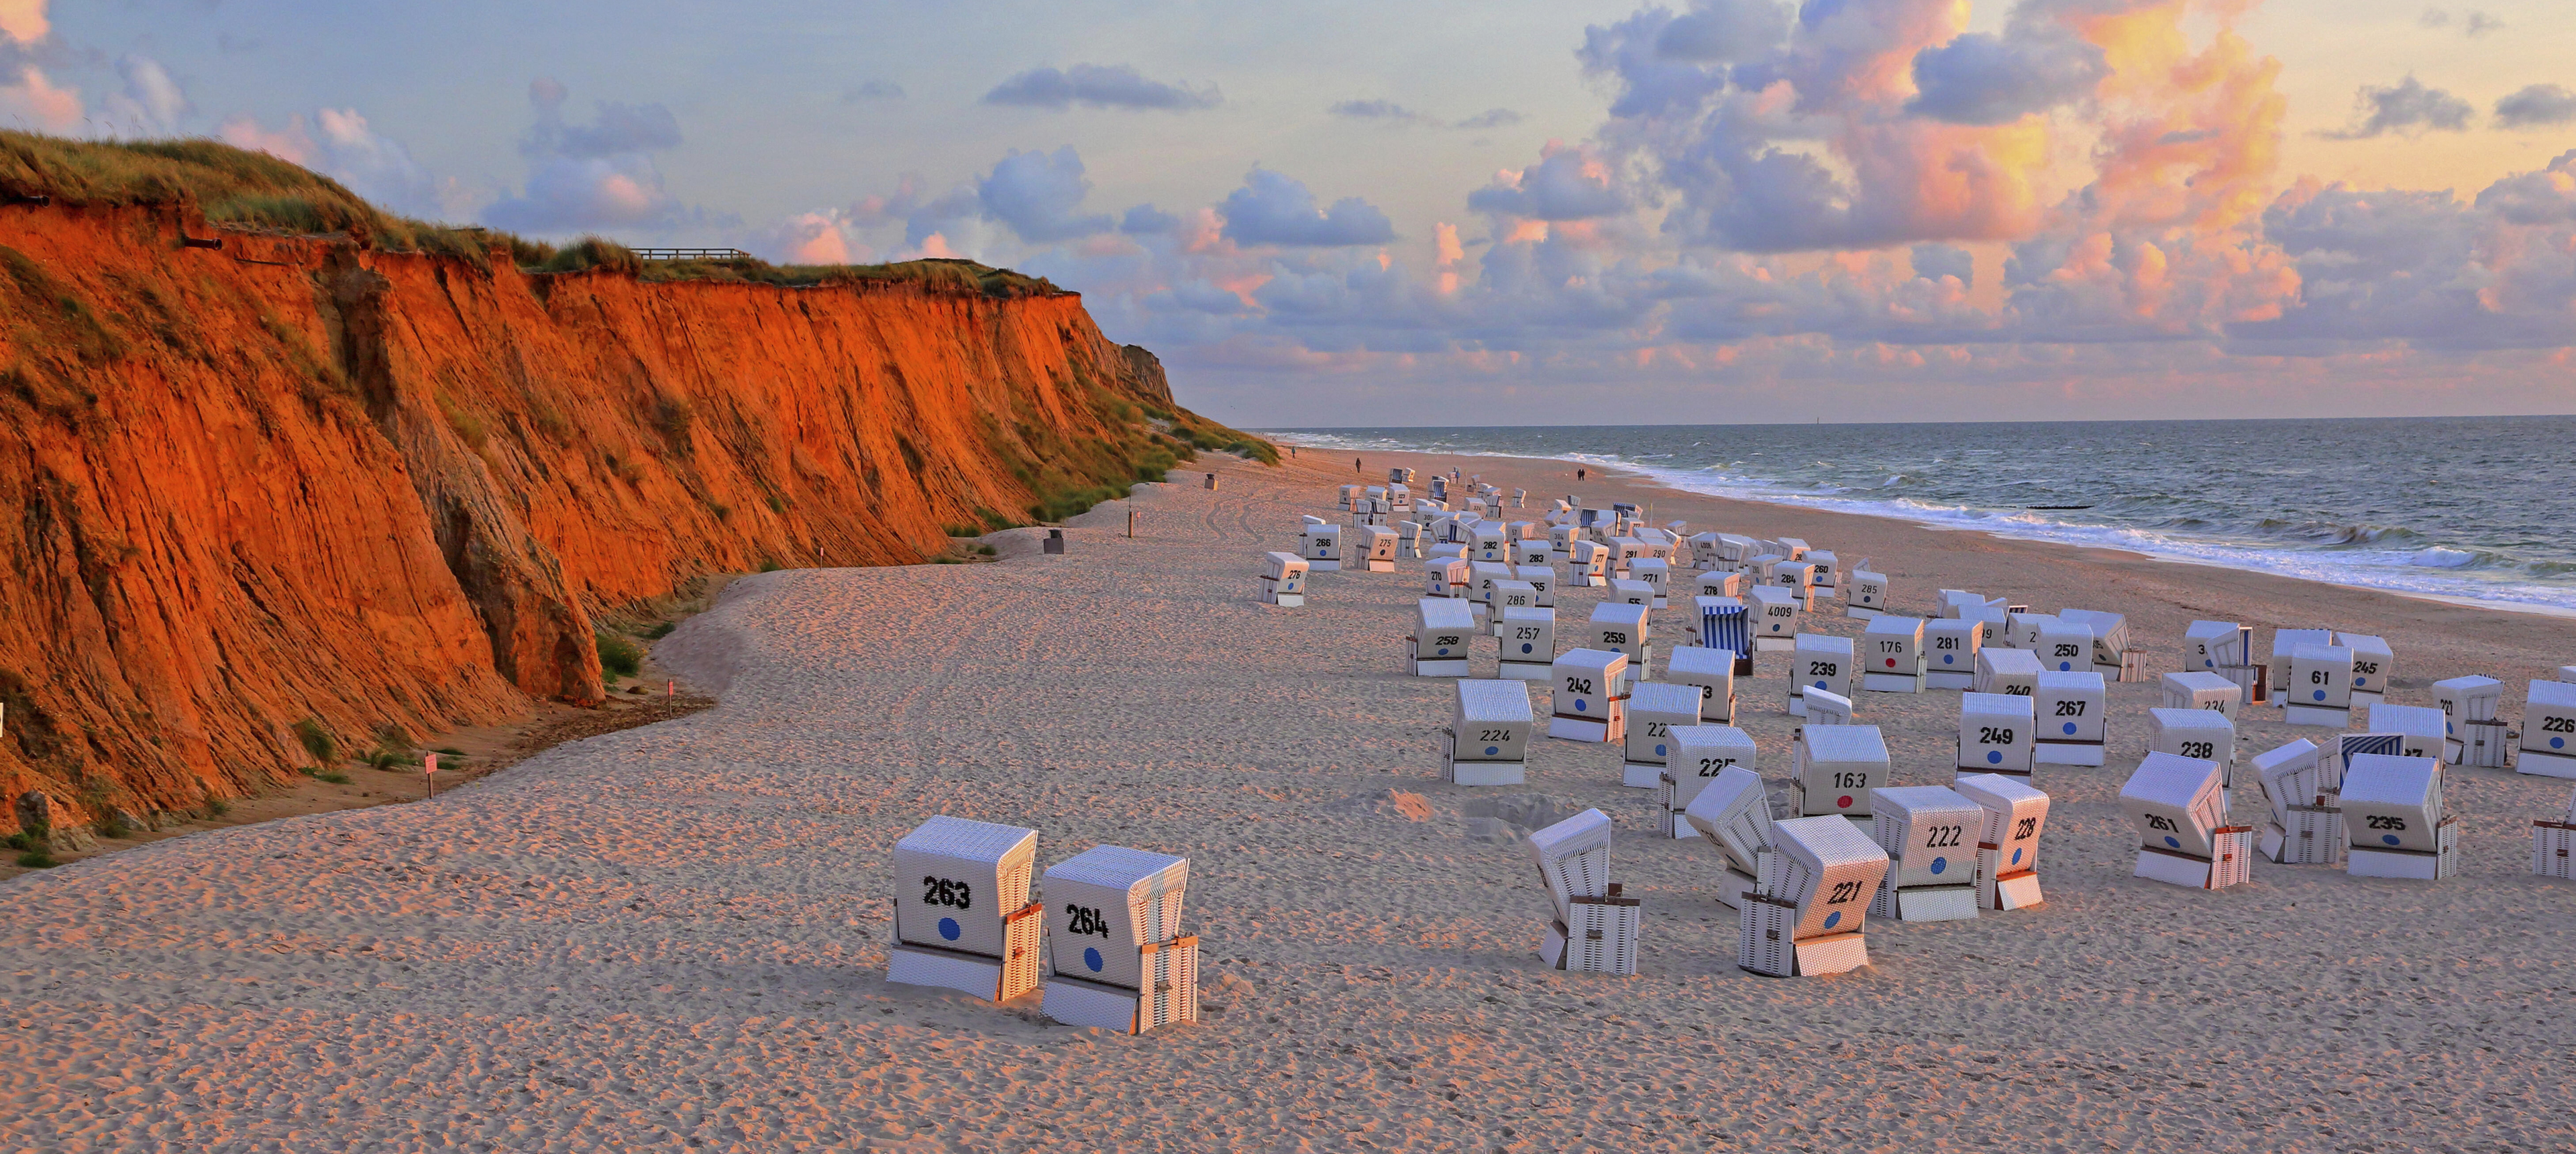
(1355,466)
(1578,474)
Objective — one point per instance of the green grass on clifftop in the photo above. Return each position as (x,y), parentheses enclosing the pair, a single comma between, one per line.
(232,186)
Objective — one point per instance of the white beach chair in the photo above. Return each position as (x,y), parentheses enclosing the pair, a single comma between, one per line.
(1439,644)
(1712,671)
(2179,808)
(1817,661)
(2070,709)
(1891,654)
(1283,579)
(1732,811)
(1996,734)
(1950,647)
(2008,849)
(1588,697)
(967,923)
(2393,814)
(1655,709)
(1116,956)
(1487,741)
(1594,929)
(1930,834)
(1808,912)
(1833,769)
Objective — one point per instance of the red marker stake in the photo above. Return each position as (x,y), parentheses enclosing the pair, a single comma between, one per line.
(428,766)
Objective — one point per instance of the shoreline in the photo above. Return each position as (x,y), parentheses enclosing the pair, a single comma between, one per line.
(1631,472)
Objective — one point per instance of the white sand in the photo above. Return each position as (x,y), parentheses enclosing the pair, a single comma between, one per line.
(674,937)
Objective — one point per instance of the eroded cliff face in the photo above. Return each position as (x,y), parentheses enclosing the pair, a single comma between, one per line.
(296,478)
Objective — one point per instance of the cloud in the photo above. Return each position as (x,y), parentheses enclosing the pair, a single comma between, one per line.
(1567,184)
(1038,194)
(1934,261)
(585,177)
(1272,208)
(24,20)
(338,143)
(871,90)
(619,129)
(1392,112)
(1716,31)
(2406,108)
(152,102)
(26,93)
(2384,265)
(1146,218)
(808,238)
(1987,79)
(1387,110)
(35,99)
(2479,23)
(2536,106)
(1120,86)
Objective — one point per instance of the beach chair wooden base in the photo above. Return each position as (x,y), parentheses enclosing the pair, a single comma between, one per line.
(1584,729)
(1173,971)
(2323,716)
(1285,600)
(1456,668)
(1639,775)
(974,975)
(2366,862)
(2541,764)
(2068,753)
(1523,671)
(1940,680)
(1775,644)
(1935,903)
(2015,891)
(2232,866)
(1891,683)
(1488,772)
(1326,566)
(1832,954)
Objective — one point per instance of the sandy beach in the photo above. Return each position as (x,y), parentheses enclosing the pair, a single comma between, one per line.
(675,936)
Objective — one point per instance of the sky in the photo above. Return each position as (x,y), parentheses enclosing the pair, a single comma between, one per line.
(1438,213)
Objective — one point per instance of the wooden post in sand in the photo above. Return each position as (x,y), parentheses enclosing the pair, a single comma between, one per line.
(1131,515)
(428,767)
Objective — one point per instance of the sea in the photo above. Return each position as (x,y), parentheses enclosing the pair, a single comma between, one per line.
(2480,509)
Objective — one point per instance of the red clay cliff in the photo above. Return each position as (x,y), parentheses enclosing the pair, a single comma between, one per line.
(297,478)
